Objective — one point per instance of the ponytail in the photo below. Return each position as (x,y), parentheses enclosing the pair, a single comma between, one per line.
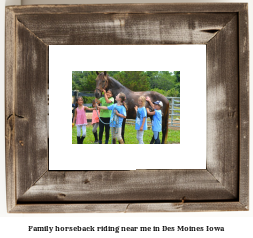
(122,96)
(125,105)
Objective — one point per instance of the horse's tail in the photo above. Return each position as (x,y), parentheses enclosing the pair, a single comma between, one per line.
(165,124)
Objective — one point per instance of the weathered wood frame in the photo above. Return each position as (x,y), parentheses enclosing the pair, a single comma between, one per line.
(222,186)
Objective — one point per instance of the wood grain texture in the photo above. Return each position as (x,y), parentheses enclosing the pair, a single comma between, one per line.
(223,107)
(30,108)
(244,106)
(223,186)
(122,29)
(186,207)
(129,207)
(140,185)
(154,8)
(10,64)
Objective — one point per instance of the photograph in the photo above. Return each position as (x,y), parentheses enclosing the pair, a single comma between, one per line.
(145,102)
(126,107)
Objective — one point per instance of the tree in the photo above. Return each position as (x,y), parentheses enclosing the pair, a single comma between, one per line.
(165,80)
(134,80)
(90,82)
(83,80)
(112,73)
(152,78)
(74,85)
(177,74)
(173,93)
(76,76)
(161,91)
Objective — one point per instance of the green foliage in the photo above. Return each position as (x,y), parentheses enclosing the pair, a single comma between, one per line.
(161,79)
(152,77)
(164,82)
(90,82)
(88,99)
(134,80)
(177,75)
(161,91)
(173,93)
(170,93)
(74,85)
(112,73)
(84,80)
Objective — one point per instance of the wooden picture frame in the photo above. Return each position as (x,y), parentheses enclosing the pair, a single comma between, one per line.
(222,186)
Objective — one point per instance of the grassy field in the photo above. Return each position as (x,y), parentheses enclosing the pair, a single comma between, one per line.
(130,136)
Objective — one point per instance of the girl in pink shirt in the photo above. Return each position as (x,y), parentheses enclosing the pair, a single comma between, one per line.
(80,120)
(95,121)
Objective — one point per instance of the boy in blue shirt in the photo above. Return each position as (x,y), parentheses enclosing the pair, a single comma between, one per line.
(157,118)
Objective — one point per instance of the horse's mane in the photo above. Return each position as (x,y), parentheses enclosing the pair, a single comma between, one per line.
(116,84)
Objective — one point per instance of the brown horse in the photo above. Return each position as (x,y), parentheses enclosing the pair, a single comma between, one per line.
(103,81)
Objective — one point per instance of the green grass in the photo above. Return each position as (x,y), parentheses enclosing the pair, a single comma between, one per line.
(130,136)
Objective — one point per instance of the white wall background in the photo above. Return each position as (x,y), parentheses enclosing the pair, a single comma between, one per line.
(239,223)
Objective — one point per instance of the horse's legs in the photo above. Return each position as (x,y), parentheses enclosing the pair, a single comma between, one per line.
(123,130)
(165,127)
(153,138)
(164,132)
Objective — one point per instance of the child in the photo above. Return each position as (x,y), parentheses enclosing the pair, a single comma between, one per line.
(95,121)
(157,118)
(81,120)
(141,119)
(105,115)
(118,114)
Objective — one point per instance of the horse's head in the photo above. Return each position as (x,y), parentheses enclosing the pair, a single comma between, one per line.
(101,83)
